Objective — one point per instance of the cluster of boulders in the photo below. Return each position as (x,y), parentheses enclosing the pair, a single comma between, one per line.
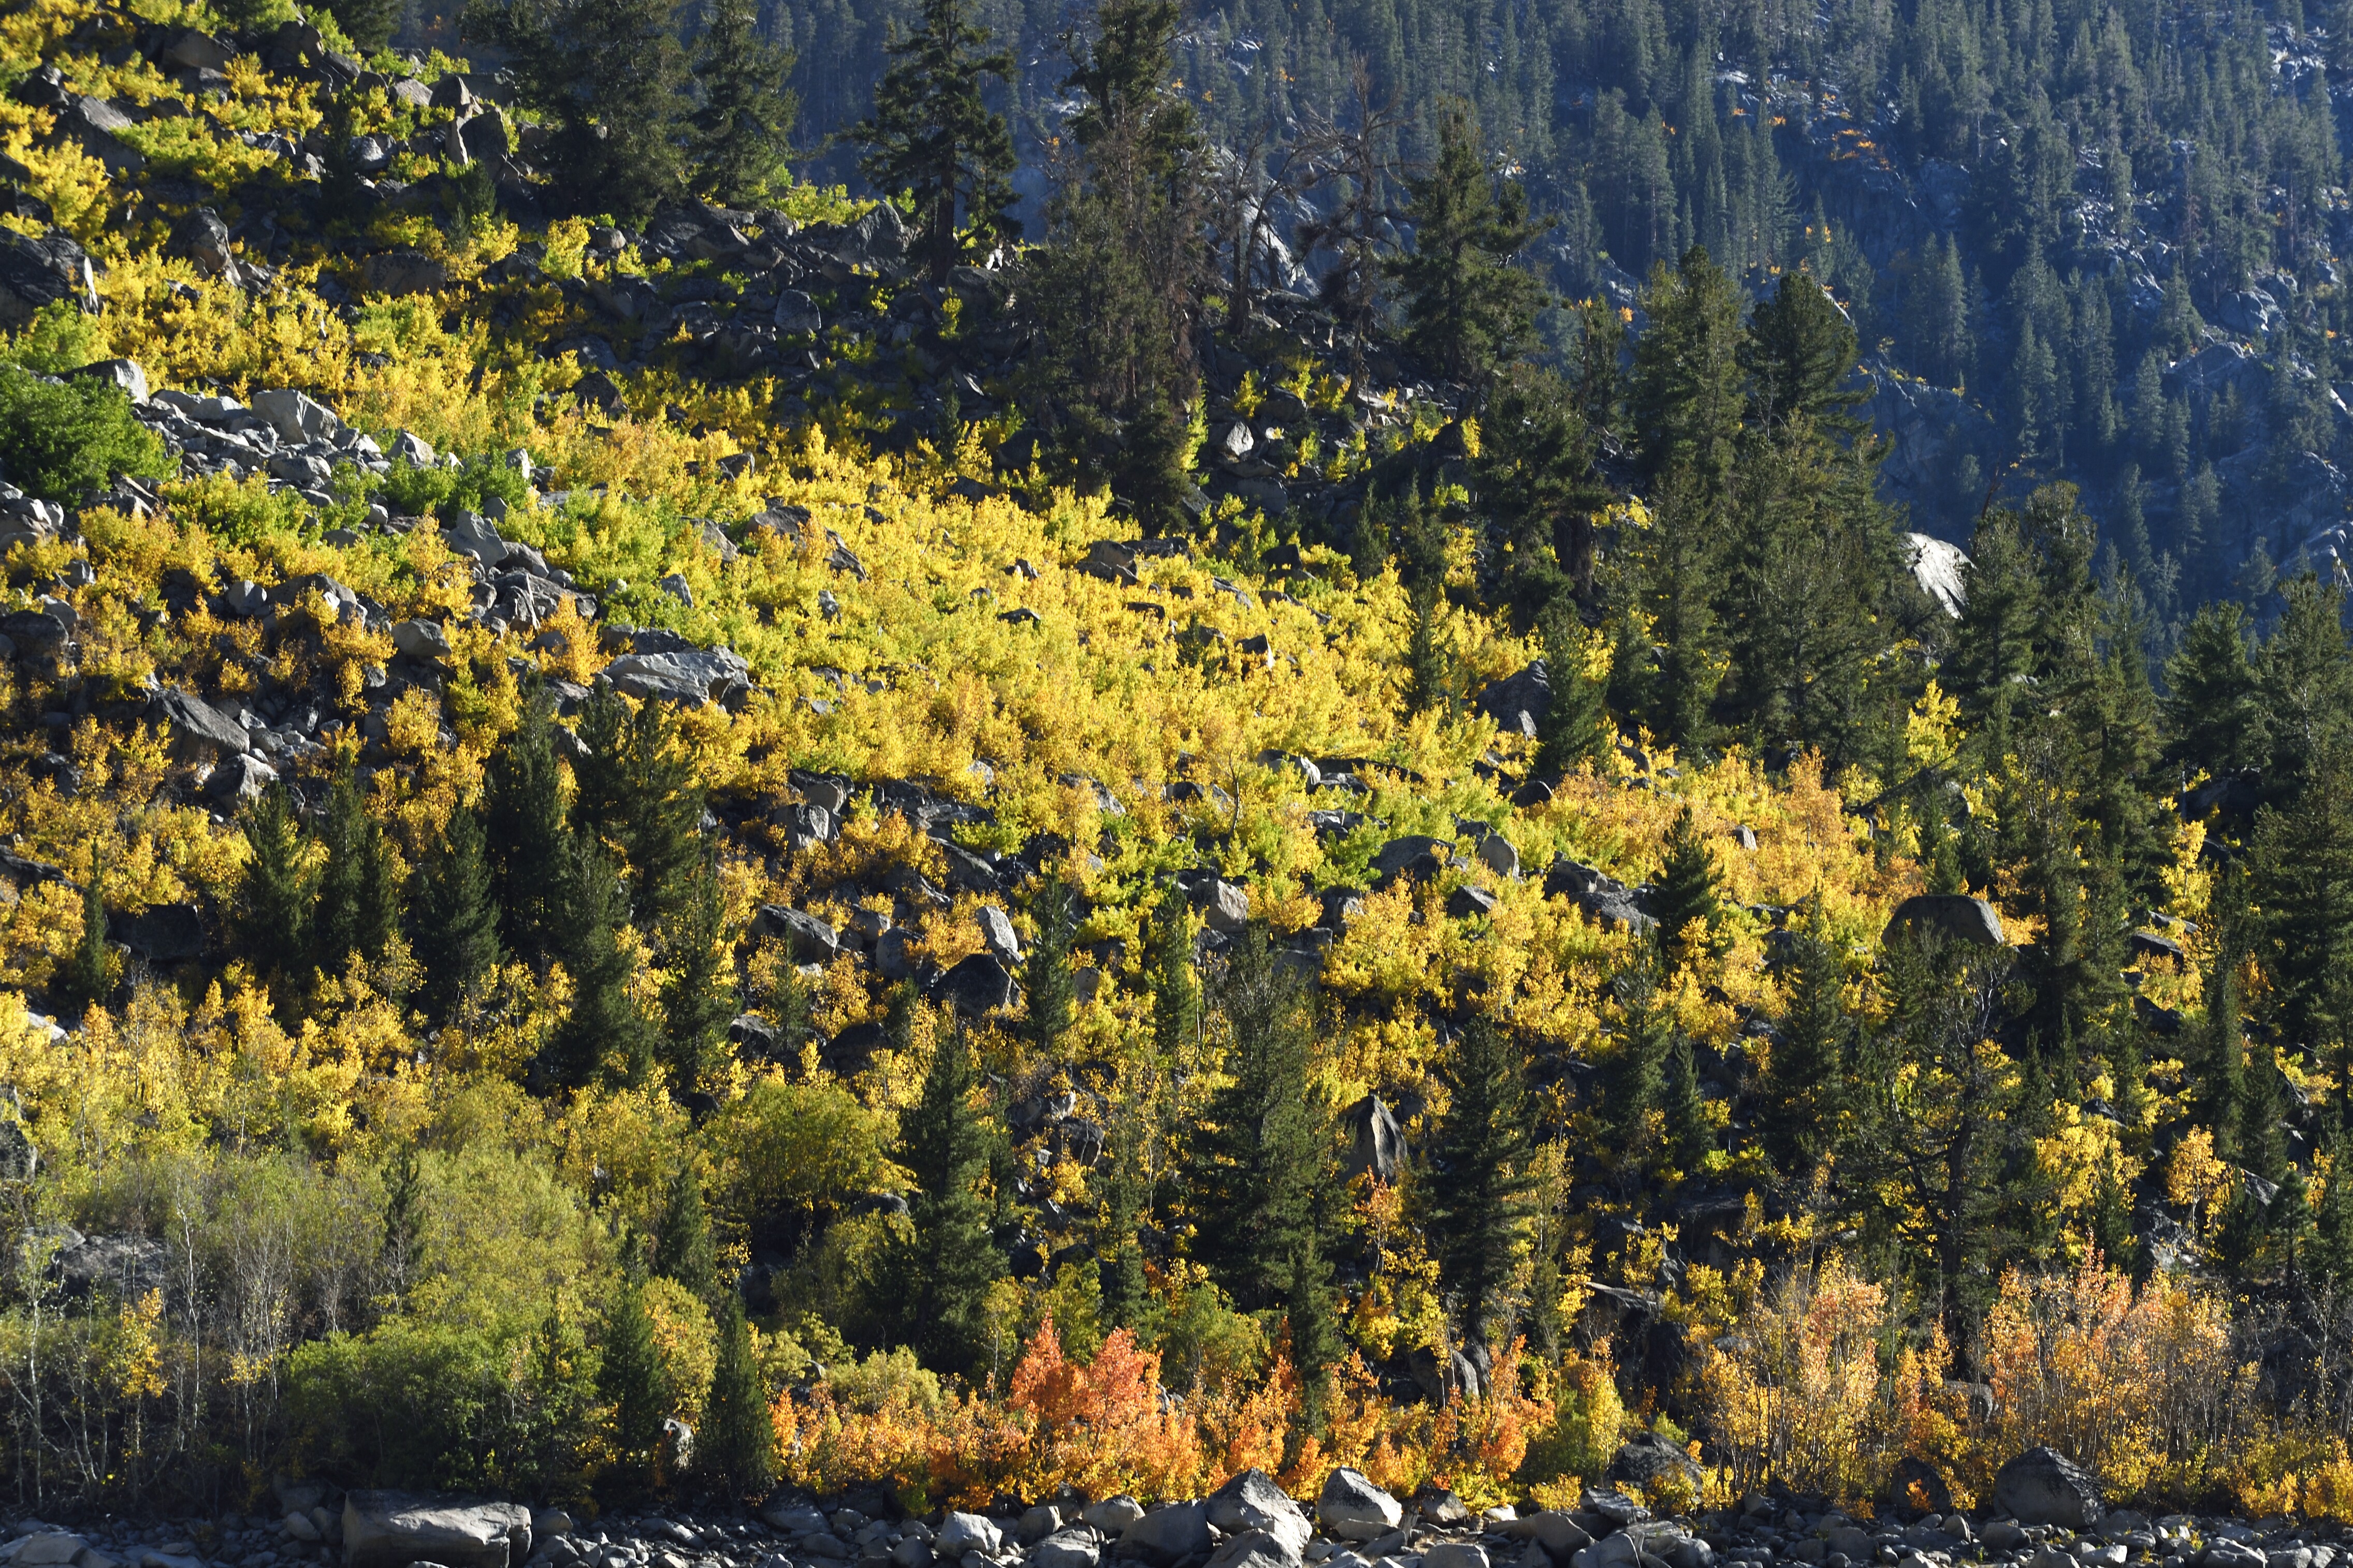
(2045,1513)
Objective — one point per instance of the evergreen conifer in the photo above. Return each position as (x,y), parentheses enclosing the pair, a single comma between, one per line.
(523,831)
(453,922)
(635,790)
(1052,994)
(698,988)
(274,891)
(604,1037)
(940,1276)
(738,1447)
(683,1250)
(629,1377)
(933,136)
(1686,903)
(740,133)
(1468,310)
(1477,1183)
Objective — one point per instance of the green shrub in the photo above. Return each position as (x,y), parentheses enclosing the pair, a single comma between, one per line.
(411,1403)
(61,441)
(443,492)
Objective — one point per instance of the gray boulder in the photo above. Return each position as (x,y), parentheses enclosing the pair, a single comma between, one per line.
(402,272)
(1252,1500)
(2044,1486)
(1255,1549)
(1377,1143)
(1352,1508)
(1225,909)
(470,533)
(1558,1534)
(694,677)
(961,1532)
(198,732)
(124,375)
(421,640)
(1604,897)
(998,935)
(1080,1548)
(392,1529)
(811,940)
(782,1514)
(1650,1458)
(1954,915)
(1168,1534)
(1454,1554)
(297,417)
(977,985)
(1518,704)
(239,779)
(1417,856)
(1114,1514)
(38,273)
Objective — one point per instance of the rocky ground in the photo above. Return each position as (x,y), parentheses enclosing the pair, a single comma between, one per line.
(2045,1513)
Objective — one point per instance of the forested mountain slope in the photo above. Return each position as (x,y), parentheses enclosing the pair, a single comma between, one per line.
(643,802)
(2115,228)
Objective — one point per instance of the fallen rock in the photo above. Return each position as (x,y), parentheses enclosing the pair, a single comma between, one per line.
(1454,1554)
(978,985)
(1080,1548)
(38,273)
(1558,1534)
(296,417)
(695,677)
(1955,916)
(961,1532)
(1168,1534)
(1378,1144)
(1252,1500)
(811,939)
(1417,857)
(1258,1549)
(1518,704)
(1352,1508)
(998,935)
(1650,1458)
(2042,1486)
(392,1529)
(402,272)
(198,732)
(1113,1515)
(422,639)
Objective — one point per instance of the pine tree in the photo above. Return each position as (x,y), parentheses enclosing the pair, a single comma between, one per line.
(1126,1205)
(1803,1080)
(1053,996)
(1263,1148)
(522,821)
(368,24)
(453,922)
(1683,402)
(629,1377)
(611,76)
(2214,713)
(932,135)
(83,981)
(683,1250)
(604,1037)
(637,793)
(1637,1065)
(2111,1226)
(1477,1183)
(1797,351)
(1684,902)
(1176,988)
(356,910)
(738,1444)
(1422,551)
(1575,727)
(698,990)
(1690,1139)
(2332,1241)
(940,1277)
(1468,310)
(742,129)
(1535,476)
(1118,285)
(274,891)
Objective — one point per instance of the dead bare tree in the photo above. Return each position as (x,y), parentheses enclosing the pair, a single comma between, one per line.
(1358,158)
